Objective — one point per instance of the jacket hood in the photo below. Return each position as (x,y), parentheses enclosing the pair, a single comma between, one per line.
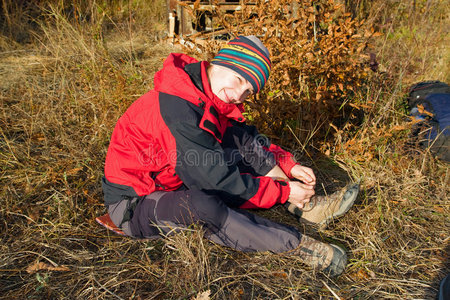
(172,79)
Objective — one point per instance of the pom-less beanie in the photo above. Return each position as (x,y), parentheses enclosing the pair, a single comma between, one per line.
(247,56)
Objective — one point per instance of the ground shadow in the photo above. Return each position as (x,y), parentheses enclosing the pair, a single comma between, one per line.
(444,270)
(330,178)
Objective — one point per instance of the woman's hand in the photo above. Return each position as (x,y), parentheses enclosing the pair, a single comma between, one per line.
(304,174)
(300,193)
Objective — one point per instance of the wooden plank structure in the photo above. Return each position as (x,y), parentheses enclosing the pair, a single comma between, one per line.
(183,23)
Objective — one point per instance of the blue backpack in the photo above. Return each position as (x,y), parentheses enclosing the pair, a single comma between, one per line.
(429,102)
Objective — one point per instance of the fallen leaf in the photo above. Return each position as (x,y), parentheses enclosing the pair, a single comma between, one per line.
(399,127)
(422,110)
(280,274)
(38,266)
(203,296)
(74,171)
(360,275)
(438,209)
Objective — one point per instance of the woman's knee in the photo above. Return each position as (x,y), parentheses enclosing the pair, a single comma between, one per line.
(120,214)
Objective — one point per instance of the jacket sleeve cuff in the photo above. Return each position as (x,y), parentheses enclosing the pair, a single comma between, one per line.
(285,191)
(270,192)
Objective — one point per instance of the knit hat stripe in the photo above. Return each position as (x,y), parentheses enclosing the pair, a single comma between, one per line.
(245,51)
(252,49)
(239,53)
(247,74)
(247,56)
(244,63)
(254,60)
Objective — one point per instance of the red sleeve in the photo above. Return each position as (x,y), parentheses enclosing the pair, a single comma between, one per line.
(285,160)
(270,192)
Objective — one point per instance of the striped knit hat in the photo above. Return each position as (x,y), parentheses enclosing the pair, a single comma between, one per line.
(247,56)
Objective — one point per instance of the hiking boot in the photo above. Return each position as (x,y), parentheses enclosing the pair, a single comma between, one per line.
(322,209)
(328,258)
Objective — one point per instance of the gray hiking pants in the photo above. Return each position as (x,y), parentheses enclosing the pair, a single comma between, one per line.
(163,212)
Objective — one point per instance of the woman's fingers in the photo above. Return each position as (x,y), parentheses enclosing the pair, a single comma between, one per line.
(304,174)
(300,193)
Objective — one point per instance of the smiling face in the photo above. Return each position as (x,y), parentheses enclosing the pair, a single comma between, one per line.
(227,85)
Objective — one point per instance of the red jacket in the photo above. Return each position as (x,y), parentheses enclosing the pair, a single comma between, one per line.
(174,135)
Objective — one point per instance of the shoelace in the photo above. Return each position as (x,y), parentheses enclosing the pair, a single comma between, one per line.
(315,201)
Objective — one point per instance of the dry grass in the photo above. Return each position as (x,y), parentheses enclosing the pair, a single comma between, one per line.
(64,83)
